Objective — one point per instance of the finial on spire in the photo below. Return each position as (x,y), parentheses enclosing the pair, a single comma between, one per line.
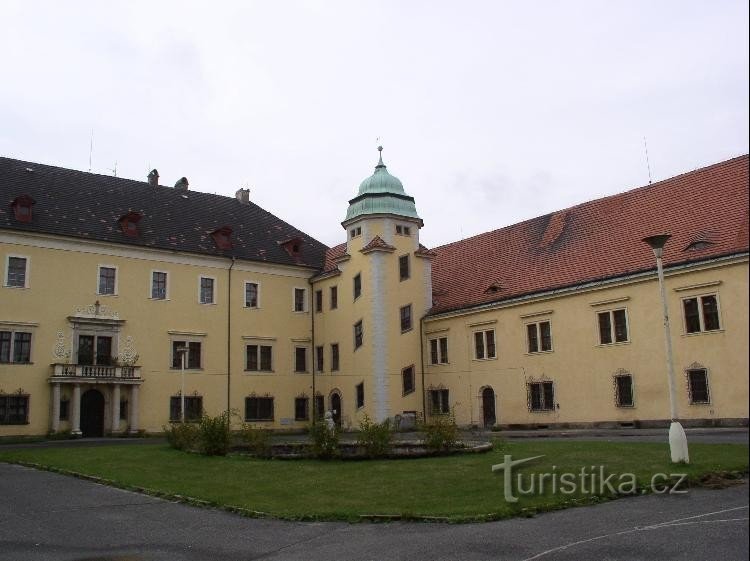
(380,160)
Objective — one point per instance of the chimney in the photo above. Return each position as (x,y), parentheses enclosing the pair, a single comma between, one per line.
(153,178)
(243,195)
(182,184)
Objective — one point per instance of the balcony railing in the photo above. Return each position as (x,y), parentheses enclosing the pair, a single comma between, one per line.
(96,371)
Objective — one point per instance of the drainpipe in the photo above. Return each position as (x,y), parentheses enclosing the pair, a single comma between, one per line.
(312,337)
(229,339)
(421,360)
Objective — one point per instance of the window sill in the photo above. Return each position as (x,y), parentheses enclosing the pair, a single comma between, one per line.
(445,363)
(259,371)
(699,333)
(299,311)
(535,353)
(159,299)
(259,420)
(701,403)
(617,344)
(207,303)
(15,424)
(187,370)
(625,406)
(111,295)
(483,359)
(18,364)
(19,288)
(301,372)
(406,330)
(541,410)
(404,394)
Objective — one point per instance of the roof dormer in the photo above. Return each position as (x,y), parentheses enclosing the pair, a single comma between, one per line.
(129,223)
(21,206)
(293,246)
(222,237)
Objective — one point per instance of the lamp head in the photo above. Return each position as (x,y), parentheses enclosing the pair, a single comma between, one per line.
(657,242)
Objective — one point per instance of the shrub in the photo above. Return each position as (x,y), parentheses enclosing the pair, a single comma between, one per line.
(258,440)
(182,436)
(375,438)
(213,435)
(441,433)
(325,443)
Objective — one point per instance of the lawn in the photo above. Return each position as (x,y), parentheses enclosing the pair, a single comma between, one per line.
(459,488)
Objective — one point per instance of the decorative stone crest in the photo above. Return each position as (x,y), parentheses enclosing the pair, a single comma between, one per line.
(61,352)
(97,310)
(128,354)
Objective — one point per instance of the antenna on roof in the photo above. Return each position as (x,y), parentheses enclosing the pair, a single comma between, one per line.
(114,169)
(648,165)
(91,148)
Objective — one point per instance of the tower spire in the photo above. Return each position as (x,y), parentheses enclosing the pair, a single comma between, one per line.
(380,160)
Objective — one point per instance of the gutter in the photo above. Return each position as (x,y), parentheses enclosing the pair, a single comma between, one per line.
(229,339)
(313,357)
(421,360)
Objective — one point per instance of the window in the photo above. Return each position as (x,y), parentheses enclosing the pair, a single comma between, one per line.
(259,409)
(403,267)
(439,350)
(334,297)
(701,313)
(697,379)
(439,404)
(334,357)
(399,229)
(358,335)
(258,358)
(357,286)
(318,301)
(484,344)
(251,295)
(300,359)
(124,409)
(64,409)
(15,272)
(14,409)
(319,359)
(539,337)
(624,390)
(192,357)
(354,232)
(407,380)
(207,290)
(107,280)
(299,299)
(541,396)
(405,318)
(607,320)
(320,407)
(15,346)
(95,349)
(407,231)
(360,395)
(159,285)
(403,230)
(193,408)
(301,408)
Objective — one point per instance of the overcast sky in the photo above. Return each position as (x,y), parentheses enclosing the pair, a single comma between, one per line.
(490,112)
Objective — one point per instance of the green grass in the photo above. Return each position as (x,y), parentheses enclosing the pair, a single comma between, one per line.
(456,487)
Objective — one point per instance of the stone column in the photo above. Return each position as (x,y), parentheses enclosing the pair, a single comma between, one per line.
(116,408)
(133,413)
(75,427)
(55,407)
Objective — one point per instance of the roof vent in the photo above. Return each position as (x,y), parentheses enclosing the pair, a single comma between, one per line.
(243,195)
(182,184)
(493,288)
(129,223)
(222,237)
(153,178)
(21,206)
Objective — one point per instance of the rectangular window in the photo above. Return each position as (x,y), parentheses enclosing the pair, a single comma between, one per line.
(356,231)
(360,395)
(64,409)
(259,358)
(613,327)
(107,278)
(334,357)
(357,286)
(207,290)
(259,409)
(299,299)
(14,409)
(541,396)
(159,285)
(399,229)
(318,301)
(407,380)
(320,407)
(407,231)
(405,318)
(624,390)
(439,404)
(251,295)
(698,386)
(403,268)
(701,314)
(539,336)
(439,350)
(319,359)
(358,335)
(192,356)
(193,408)
(484,344)
(334,297)
(301,408)
(124,409)
(95,350)
(300,359)
(15,274)
(103,350)
(15,346)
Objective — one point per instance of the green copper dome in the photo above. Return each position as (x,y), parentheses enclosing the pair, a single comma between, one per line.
(381,193)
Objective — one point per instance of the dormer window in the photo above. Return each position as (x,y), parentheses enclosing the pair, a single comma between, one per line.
(292,246)
(129,223)
(222,237)
(22,208)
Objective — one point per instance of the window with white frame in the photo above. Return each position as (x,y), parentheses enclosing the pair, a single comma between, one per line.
(206,289)
(484,344)
(701,313)
(259,358)
(539,337)
(107,280)
(623,390)
(300,359)
(334,357)
(405,315)
(438,402)
(334,297)
(360,391)
(318,301)
(15,346)
(16,271)
(697,380)
(252,295)
(357,282)
(159,286)
(540,396)
(300,295)
(192,355)
(407,380)
(358,335)
(613,327)
(404,270)
(439,350)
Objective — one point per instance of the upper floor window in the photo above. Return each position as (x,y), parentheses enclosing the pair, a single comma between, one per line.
(484,344)
(613,327)
(539,337)
(193,408)
(334,297)
(319,358)
(299,299)
(15,346)
(701,313)
(354,232)
(22,206)
(95,349)
(403,230)
(623,390)
(107,280)
(360,390)
(358,335)
(159,285)
(16,271)
(334,357)
(357,285)
(405,314)
(207,290)
(192,355)
(259,358)
(251,295)
(407,380)
(300,359)
(439,350)
(14,409)
(697,379)
(318,301)
(403,267)
(541,396)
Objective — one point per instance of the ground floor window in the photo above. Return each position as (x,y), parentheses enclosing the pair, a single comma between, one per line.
(14,409)
(320,407)
(624,390)
(124,409)
(407,380)
(193,408)
(697,379)
(439,404)
(360,395)
(64,409)
(541,396)
(301,408)
(259,409)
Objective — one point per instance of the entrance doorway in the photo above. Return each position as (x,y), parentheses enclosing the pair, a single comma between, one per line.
(336,408)
(92,414)
(488,407)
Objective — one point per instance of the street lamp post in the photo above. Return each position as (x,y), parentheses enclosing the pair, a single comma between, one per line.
(678,446)
(183,351)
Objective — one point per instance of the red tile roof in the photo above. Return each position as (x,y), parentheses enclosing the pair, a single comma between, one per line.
(377,243)
(599,239)
(332,255)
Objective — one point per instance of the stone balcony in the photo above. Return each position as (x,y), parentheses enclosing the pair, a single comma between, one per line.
(97,373)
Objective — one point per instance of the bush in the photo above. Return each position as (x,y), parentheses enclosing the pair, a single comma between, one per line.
(325,443)
(441,433)
(375,438)
(182,436)
(214,436)
(258,440)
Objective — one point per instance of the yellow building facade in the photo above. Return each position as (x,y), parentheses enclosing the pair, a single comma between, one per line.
(122,300)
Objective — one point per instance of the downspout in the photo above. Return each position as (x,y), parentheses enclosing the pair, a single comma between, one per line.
(421,360)
(229,339)
(314,357)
